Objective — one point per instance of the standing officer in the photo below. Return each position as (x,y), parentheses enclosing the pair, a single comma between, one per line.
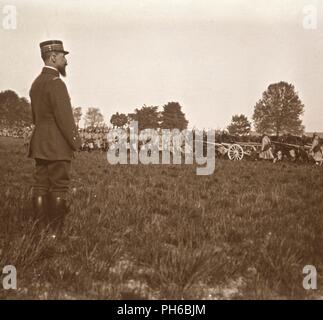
(55,137)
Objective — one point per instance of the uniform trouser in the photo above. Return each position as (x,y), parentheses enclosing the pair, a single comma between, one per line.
(51,176)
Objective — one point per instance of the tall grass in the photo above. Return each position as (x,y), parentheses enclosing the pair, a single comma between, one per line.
(156,232)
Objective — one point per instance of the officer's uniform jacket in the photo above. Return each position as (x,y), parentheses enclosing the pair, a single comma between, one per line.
(55,136)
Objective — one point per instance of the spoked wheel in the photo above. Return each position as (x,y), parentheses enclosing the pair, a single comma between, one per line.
(235,152)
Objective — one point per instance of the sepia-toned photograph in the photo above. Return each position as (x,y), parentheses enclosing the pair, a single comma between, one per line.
(161,150)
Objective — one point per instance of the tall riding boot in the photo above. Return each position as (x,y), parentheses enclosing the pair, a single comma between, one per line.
(41,209)
(57,213)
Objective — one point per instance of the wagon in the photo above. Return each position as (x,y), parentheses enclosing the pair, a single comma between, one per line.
(236,151)
(239,150)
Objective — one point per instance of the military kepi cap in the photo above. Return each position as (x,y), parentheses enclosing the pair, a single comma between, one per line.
(52,45)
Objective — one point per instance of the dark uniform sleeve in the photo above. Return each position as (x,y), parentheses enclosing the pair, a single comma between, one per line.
(63,113)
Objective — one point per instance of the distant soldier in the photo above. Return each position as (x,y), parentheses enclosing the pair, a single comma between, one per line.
(279,156)
(266,148)
(27,136)
(292,155)
(316,151)
(54,139)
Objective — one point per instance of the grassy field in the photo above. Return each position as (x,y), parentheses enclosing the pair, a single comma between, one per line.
(156,232)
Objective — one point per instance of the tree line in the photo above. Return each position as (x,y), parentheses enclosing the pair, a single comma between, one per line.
(14,110)
(148,117)
(278,112)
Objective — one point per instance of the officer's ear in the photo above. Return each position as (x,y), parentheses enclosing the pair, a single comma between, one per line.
(53,57)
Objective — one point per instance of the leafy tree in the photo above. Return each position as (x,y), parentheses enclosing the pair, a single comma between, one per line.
(279,110)
(77,113)
(93,118)
(172,117)
(147,117)
(119,120)
(239,125)
(14,110)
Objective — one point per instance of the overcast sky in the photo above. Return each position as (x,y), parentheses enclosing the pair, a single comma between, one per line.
(213,57)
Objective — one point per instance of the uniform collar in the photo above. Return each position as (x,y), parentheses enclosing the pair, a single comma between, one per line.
(50,70)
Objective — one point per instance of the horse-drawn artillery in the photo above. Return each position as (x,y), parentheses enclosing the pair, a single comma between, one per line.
(237,151)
